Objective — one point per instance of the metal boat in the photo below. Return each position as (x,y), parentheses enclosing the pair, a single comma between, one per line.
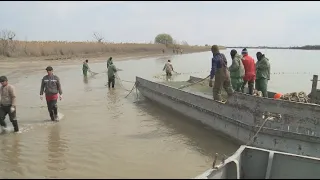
(278,125)
(256,163)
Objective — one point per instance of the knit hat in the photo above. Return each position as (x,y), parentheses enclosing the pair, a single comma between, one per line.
(244,51)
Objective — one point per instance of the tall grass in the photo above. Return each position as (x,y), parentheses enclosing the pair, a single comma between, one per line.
(63,48)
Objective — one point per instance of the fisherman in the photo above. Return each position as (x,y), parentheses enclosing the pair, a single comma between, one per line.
(220,71)
(51,86)
(8,104)
(236,71)
(168,68)
(250,71)
(263,74)
(85,68)
(109,61)
(111,74)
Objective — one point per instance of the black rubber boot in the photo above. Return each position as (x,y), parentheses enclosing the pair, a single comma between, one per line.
(55,110)
(3,124)
(250,87)
(15,125)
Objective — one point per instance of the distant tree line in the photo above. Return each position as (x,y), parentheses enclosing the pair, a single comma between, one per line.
(307,47)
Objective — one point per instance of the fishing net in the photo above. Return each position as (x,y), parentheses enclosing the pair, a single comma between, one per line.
(296,97)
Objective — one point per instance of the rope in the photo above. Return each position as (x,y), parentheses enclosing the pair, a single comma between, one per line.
(188,85)
(131,90)
(127,81)
(120,82)
(272,73)
(224,156)
(250,141)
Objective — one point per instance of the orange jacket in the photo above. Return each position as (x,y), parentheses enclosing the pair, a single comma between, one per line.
(250,68)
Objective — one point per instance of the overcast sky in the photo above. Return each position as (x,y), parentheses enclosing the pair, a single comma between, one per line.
(225,23)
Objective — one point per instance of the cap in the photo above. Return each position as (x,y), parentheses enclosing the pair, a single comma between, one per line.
(49,68)
(3,79)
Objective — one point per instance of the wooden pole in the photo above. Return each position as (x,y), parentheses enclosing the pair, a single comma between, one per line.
(314,89)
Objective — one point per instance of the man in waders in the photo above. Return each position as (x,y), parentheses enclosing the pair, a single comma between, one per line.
(50,84)
(109,61)
(221,74)
(168,68)
(236,71)
(8,104)
(111,74)
(263,74)
(85,68)
(250,71)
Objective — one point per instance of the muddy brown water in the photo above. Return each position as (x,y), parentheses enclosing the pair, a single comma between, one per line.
(103,134)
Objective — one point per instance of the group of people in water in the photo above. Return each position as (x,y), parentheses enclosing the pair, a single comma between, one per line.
(111,68)
(50,87)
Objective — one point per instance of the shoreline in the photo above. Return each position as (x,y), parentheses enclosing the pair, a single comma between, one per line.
(30,64)
(33,54)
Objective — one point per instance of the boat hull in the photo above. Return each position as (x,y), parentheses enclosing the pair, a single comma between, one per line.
(223,118)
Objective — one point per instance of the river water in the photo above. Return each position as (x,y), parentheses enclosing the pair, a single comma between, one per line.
(105,135)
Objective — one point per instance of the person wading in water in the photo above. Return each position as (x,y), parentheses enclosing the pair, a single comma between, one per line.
(50,84)
(111,74)
(168,68)
(8,104)
(85,68)
(109,62)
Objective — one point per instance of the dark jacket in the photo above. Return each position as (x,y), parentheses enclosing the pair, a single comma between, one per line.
(219,66)
(50,85)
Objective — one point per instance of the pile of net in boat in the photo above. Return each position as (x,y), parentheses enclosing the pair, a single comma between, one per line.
(296,97)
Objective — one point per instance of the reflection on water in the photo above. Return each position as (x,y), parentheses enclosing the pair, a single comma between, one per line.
(85,79)
(11,150)
(188,131)
(56,150)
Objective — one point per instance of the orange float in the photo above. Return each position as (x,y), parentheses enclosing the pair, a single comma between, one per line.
(277,96)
